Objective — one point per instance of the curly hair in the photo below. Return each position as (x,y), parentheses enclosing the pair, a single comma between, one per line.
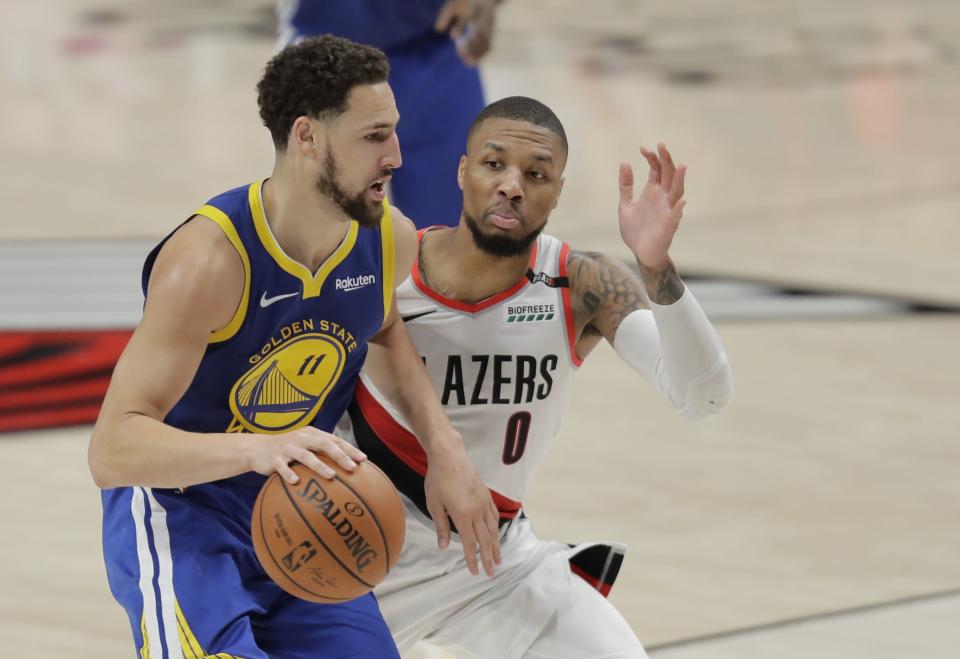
(314,77)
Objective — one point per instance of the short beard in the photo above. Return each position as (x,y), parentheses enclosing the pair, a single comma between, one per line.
(355,207)
(499,245)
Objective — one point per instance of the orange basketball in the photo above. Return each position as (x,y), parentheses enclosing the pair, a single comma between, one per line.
(325,540)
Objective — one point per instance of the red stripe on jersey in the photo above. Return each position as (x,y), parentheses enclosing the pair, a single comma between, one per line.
(568,308)
(602,588)
(508,507)
(463,306)
(404,444)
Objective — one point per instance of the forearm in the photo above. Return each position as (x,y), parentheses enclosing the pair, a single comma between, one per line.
(137,450)
(404,381)
(675,345)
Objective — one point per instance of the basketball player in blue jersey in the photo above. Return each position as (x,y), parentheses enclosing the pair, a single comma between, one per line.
(433,47)
(503,315)
(259,310)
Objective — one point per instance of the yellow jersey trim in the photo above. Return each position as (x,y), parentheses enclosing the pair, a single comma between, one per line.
(311,283)
(389,247)
(145,648)
(226,225)
(189,645)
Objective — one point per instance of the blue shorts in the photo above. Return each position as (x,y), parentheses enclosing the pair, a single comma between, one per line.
(183,567)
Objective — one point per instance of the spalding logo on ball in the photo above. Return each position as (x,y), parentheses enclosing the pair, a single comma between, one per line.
(328,540)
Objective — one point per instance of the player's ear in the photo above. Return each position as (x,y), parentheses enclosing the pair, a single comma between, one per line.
(461,169)
(306,137)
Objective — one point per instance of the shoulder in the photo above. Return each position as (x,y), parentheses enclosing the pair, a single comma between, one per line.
(198,273)
(403,228)
(405,241)
(597,272)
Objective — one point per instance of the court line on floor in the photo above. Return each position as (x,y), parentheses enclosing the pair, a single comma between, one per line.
(799,620)
(856,201)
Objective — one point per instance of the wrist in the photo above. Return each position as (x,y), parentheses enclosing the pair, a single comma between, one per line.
(662,283)
(443,445)
(246,449)
(652,265)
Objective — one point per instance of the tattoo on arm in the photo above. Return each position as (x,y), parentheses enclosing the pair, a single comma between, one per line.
(591,301)
(604,292)
(663,286)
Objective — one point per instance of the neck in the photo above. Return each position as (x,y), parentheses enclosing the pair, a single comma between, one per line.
(307,225)
(454,266)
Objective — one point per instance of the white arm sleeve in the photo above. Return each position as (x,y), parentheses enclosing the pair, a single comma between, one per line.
(675,348)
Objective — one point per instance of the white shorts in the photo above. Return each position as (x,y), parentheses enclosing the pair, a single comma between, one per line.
(533,606)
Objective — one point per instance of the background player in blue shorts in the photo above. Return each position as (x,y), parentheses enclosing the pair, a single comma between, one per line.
(258,312)
(433,47)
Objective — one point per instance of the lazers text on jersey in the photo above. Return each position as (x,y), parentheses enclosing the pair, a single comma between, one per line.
(512,379)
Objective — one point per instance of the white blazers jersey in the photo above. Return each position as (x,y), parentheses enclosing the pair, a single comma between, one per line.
(502,368)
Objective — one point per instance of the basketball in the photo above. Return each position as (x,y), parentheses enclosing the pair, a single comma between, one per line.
(328,541)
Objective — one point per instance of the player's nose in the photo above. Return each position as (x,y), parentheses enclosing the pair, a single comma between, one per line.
(510,184)
(392,158)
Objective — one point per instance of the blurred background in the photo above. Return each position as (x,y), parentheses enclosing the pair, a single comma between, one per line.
(818,517)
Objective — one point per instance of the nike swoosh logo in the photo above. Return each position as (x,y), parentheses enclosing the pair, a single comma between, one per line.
(414,316)
(267,301)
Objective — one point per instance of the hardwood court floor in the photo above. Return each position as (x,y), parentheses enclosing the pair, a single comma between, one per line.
(804,498)
(823,150)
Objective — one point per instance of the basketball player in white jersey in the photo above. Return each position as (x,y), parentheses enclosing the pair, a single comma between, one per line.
(503,316)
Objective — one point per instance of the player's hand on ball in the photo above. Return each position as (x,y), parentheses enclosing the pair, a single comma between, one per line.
(274,453)
(454,489)
(649,222)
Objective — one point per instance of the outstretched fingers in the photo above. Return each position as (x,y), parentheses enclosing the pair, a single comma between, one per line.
(677,190)
(468,539)
(668,169)
(486,538)
(440,520)
(676,213)
(654,162)
(493,525)
(626,183)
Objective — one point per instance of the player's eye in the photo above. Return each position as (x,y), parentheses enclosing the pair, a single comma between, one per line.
(376,137)
(537,176)
(493,164)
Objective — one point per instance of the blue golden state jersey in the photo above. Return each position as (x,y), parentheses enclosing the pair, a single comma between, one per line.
(290,355)
(181,561)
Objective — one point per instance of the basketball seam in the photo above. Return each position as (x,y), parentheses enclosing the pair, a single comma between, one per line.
(286,491)
(269,552)
(373,516)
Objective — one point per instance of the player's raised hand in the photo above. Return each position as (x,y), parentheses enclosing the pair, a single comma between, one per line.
(453,489)
(274,453)
(649,222)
